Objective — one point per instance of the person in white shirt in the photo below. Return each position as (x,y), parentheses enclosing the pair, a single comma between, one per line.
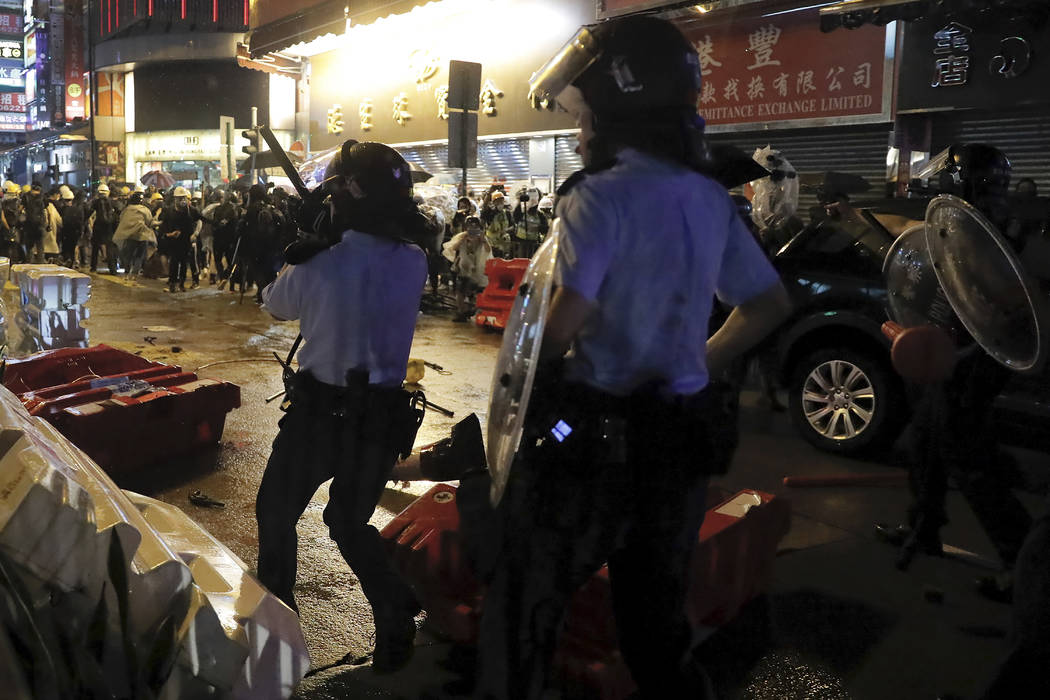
(347,417)
(625,424)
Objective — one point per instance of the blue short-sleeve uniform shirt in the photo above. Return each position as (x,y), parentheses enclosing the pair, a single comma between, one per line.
(357,304)
(652,243)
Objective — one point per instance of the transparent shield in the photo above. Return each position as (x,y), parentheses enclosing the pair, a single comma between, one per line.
(985,283)
(516,364)
(913,291)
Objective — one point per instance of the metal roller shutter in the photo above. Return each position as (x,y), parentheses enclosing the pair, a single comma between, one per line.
(566,160)
(502,160)
(1024,136)
(857,150)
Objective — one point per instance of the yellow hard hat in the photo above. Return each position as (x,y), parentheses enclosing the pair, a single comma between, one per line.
(26,188)
(125,190)
(12,188)
(155,196)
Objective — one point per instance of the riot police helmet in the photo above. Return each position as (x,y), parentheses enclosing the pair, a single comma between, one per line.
(633,68)
(373,171)
(977,172)
(632,81)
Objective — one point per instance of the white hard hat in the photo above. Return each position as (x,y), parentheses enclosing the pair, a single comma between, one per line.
(103,188)
(181,191)
(547,202)
(65,192)
(139,187)
(197,194)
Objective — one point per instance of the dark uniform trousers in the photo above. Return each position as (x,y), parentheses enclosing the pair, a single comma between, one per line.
(629,492)
(952,433)
(328,434)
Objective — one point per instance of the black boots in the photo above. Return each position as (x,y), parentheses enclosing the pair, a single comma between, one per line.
(450,458)
(395,638)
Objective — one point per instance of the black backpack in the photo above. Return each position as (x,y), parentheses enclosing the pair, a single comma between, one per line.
(104,212)
(35,215)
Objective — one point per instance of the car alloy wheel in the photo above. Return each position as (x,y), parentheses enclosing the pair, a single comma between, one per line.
(838,400)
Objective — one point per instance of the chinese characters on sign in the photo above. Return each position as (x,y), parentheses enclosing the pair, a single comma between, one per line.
(951,53)
(11,50)
(11,77)
(11,24)
(12,102)
(489,93)
(785,68)
(400,112)
(760,46)
(703,51)
(364,114)
(335,119)
(441,95)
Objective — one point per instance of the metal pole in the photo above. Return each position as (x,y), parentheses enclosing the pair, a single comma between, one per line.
(463,131)
(92,111)
(255,125)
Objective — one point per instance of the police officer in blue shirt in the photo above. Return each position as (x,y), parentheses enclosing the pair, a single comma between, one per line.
(647,242)
(347,417)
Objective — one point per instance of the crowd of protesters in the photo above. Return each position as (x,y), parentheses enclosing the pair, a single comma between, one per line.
(237,236)
(187,237)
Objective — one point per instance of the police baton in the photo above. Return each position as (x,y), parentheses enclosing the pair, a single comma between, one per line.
(284,161)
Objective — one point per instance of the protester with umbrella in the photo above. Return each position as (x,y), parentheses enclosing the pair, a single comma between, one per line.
(158,179)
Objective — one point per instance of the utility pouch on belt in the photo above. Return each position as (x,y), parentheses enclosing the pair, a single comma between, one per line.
(393,416)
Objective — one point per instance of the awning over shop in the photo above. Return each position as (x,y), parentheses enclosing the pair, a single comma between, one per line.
(276,63)
(310,19)
(855,13)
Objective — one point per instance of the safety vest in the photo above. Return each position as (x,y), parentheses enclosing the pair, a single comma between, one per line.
(529,227)
(498,231)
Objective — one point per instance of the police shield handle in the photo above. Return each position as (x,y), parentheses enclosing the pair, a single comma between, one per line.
(921,354)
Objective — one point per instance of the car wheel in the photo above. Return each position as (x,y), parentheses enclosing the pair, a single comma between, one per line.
(845,401)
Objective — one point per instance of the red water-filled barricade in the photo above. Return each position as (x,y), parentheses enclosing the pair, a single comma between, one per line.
(123,410)
(495,301)
(732,563)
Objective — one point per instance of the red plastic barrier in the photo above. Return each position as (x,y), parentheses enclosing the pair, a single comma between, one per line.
(53,368)
(77,391)
(732,564)
(495,301)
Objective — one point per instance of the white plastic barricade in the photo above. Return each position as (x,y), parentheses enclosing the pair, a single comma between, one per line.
(143,565)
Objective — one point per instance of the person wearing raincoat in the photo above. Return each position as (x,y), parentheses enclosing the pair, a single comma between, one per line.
(468,252)
(134,235)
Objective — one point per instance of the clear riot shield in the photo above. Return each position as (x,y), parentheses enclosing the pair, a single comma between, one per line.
(914,295)
(984,282)
(516,364)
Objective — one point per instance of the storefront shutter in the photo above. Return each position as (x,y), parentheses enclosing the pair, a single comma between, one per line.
(857,150)
(566,160)
(504,160)
(1024,136)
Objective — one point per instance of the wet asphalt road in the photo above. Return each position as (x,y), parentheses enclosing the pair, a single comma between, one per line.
(838,621)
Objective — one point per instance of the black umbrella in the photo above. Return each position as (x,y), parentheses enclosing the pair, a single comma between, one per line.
(731,167)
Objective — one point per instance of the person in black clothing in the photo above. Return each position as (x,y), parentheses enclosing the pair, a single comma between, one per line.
(258,234)
(34,224)
(224,233)
(102,229)
(177,226)
(10,223)
(73,218)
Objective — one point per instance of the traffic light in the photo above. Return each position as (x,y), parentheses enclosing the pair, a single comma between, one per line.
(52,171)
(253,141)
